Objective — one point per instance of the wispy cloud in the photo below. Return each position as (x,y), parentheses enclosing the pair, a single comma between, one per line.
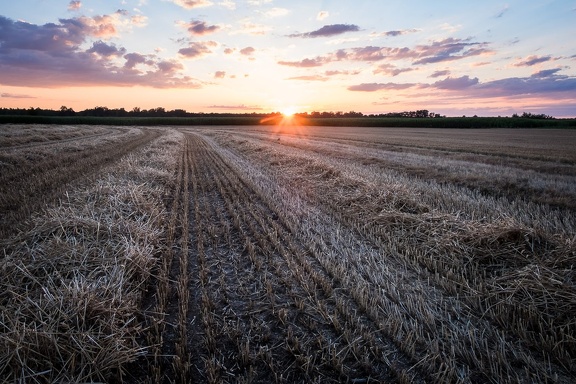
(322,15)
(309,78)
(373,87)
(238,107)
(394,33)
(249,28)
(502,11)
(189,4)
(306,63)
(391,70)
(74,5)
(441,73)
(197,49)
(438,51)
(228,4)
(329,30)
(532,60)
(15,96)
(276,12)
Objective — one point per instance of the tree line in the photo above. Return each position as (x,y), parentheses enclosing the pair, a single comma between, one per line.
(162,112)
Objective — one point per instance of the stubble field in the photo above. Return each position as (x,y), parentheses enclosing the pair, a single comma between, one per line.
(287,254)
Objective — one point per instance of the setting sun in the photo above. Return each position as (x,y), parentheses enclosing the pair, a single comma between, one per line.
(289,111)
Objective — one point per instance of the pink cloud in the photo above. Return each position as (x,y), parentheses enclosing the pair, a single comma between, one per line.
(74,5)
(200,28)
(52,55)
(248,51)
(532,60)
(189,4)
(389,69)
(198,49)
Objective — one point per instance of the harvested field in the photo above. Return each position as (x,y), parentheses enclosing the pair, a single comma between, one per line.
(299,254)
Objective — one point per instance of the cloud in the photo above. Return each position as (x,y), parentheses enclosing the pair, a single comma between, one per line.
(309,78)
(197,49)
(438,51)
(74,5)
(240,107)
(389,69)
(543,82)
(248,51)
(259,2)
(200,28)
(329,30)
(335,73)
(545,73)
(250,28)
(228,4)
(519,86)
(322,15)
(53,55)
(15,96)
(394,33)
(372,87)
(133,59)
(229,51)
(502,12)
(106,50)
(219,74)
(456,83)
(532,60)
(189,4)
(440,73)
(276,12)
(306,63)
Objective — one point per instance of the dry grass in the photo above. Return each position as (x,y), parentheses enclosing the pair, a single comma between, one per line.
(72,285)
(218,255)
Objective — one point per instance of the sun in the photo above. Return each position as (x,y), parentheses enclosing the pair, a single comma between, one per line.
(289,111)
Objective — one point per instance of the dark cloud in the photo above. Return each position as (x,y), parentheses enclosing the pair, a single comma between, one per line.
(247,51)
(329,30)
(106,50)
(440,73)
(439,51)
(550,84)
(52,55)
(133,59)
(197,49)
(532,60)
(546,73)
(517,86)
(200,28)
(456,83)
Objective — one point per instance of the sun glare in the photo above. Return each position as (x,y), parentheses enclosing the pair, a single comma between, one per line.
(289,111)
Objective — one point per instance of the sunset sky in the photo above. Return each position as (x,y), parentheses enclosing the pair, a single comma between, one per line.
(451,57)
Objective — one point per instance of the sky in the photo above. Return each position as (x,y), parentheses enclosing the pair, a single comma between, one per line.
(452,57)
